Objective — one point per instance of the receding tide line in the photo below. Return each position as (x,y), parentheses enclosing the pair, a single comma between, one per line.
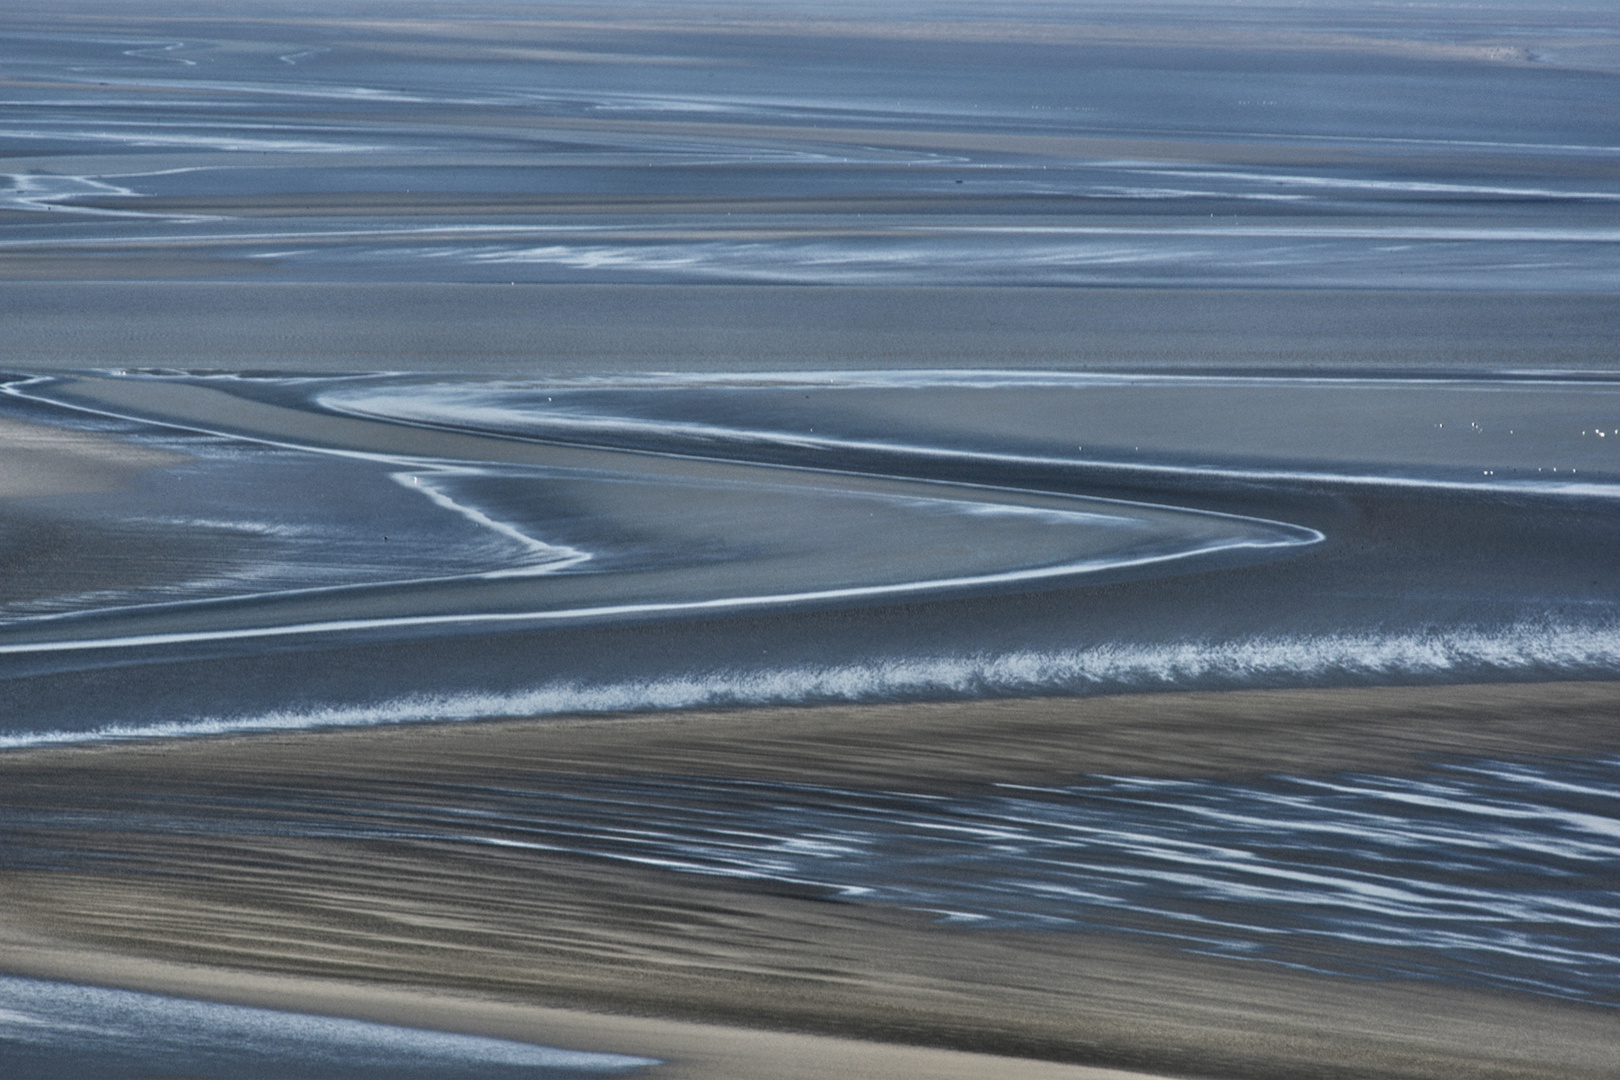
(1525,649)
(449,408)
(1299,535)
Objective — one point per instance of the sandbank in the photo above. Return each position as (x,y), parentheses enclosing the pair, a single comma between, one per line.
(578,952)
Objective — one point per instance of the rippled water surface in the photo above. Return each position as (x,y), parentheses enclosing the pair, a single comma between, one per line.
(1323,144)
(856,353)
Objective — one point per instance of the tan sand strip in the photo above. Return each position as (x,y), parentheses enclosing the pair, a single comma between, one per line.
(570,934)
(690,1051)
(923,747)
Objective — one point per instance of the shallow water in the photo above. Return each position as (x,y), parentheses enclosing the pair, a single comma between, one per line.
(51,1030)
(382,548)
(1319,145)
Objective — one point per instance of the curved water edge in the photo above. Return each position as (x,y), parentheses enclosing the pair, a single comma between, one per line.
(1537,434)
(794,538)
(628,541)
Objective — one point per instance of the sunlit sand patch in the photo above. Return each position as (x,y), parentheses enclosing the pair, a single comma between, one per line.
(40,460)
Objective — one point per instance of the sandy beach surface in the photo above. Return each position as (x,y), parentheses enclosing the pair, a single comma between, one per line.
(726,977)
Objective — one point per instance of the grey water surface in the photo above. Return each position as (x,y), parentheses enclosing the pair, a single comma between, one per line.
(1321,145)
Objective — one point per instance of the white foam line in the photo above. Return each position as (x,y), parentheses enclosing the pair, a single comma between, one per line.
(534,427)
(712,234)
(1367,140)
(194,125)
(1352,183)
(44,192)
(732,603)
(321,91)
(146,53)
(216,142)
(1305,232)
(1117,191)
(1518,649)
(293,58)
(556,556)
(996,378)
(334,234)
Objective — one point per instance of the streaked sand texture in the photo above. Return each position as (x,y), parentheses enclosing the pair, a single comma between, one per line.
(505,931)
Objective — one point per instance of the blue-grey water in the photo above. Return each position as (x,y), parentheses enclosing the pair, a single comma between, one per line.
(1329,144)
(857,353)
(61,1031)
(370,549)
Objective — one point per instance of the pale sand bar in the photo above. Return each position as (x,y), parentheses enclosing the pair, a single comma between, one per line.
(583,953)
(41,460)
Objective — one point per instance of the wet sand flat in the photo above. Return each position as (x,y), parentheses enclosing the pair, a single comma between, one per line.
(344,930)
(507,930)
(543,329)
